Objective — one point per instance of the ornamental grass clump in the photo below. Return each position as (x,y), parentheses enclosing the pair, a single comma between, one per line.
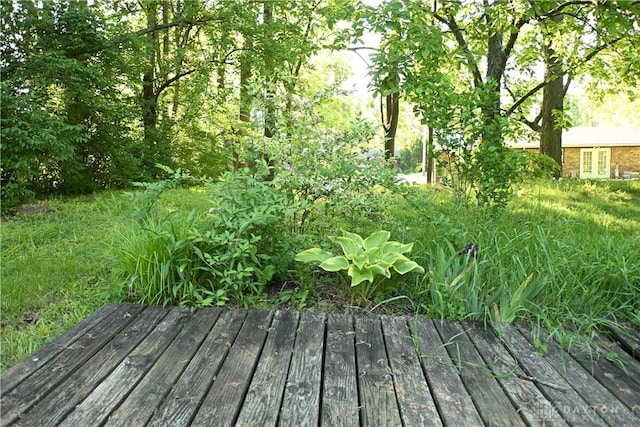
(368,261)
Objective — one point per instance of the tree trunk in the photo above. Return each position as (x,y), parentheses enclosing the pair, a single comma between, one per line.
(496,60)
(270,110)
(245,97)
(390,110)
(430,162)
(550,134)
(552,101)
(244,112)
(149,102)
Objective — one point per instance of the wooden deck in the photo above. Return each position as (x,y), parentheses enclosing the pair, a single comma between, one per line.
(131,365)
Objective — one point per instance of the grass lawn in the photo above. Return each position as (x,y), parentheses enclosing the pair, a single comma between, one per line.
(563,255)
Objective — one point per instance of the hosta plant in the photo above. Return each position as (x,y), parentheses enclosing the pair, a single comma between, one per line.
(367,261)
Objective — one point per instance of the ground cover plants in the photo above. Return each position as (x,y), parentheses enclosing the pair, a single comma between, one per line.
(563,255)
(367,261)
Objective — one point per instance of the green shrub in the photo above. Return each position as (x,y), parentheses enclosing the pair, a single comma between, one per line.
(230,252)
(327,173)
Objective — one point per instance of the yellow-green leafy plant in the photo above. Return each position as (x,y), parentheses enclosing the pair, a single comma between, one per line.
(367,261)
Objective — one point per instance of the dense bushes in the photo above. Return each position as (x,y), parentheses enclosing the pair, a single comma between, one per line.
(66,125)
(208,257)
(528,262)
(257,218)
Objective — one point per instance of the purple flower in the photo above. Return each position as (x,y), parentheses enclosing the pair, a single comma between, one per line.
(471,250)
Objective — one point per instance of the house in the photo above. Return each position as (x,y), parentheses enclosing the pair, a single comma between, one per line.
(597,152)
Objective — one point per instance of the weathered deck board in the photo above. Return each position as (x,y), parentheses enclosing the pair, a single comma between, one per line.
(14,375)
(264,398)
(138,408)
(616,378)
(613,351)
(454,403)
(224,398)
(84,380)
(340,391)
(528,400)
(539,369)
(492,403)
(180,406)
(109,394)
(628,337)
(134,365)
(378,403)
(599,399)
(414,398)
(301,405)
(18,400)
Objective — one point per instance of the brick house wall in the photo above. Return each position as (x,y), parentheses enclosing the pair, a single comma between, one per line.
(571,162)
(625,158)
(622,144)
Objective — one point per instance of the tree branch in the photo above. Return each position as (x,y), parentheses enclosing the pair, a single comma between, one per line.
(540,85)
(509,91)
(177,77)
(514,36)
(457,33)
(533,125)
(561,7)
(174,24)
(172,80)
(566,86)
(530,93)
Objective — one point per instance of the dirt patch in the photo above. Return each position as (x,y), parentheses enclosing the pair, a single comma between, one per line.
(327,297)
(26,319)
(30,209)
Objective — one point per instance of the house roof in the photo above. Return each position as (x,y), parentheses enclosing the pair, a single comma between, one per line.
(593,137)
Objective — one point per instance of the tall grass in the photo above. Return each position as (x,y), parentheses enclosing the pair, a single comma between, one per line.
(55,269)
(564,255)
(157,261)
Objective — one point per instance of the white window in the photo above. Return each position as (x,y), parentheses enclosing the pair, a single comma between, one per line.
(595,163)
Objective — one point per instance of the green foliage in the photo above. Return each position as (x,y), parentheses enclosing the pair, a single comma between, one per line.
(453,285)
(160,264)
(257,214)
(409,160)
(199,151)
(455,59)
(537,165)
(496,169)
(562,255)
(247,204)
(324,170)
(549,257)
(30,135)
(77,117)
(54,269)
(66,127)
(365,260)
(147,199)
(230,252)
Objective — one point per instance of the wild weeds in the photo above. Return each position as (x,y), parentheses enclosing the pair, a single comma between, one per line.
(555,266)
